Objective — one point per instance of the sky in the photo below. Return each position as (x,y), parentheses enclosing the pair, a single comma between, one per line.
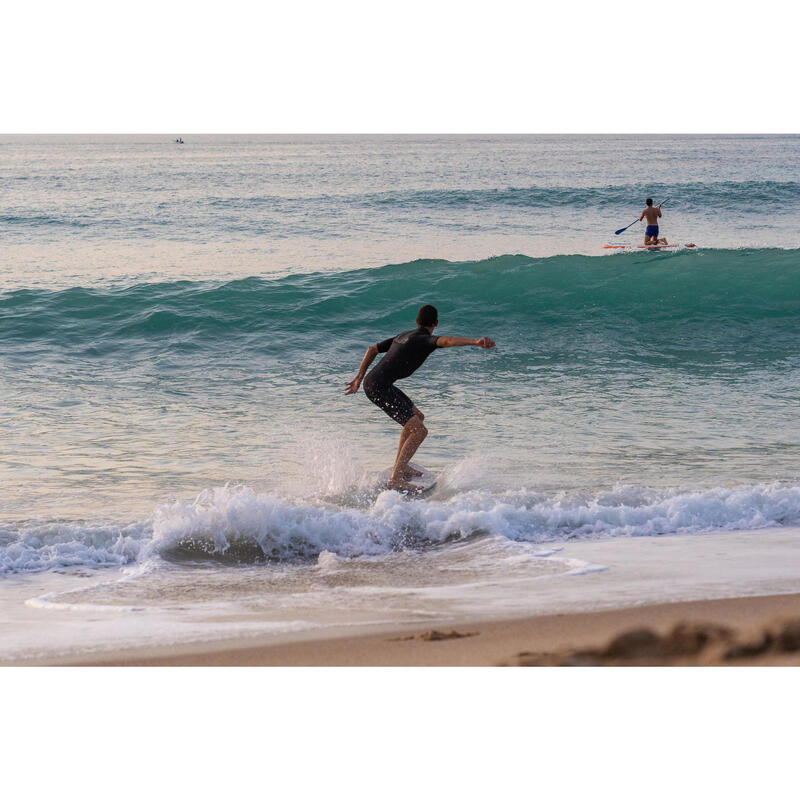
(432,66)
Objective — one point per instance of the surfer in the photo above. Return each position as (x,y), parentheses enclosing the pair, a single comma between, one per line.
(652,215)
(405,353)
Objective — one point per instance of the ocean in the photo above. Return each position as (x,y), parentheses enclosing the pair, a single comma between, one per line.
(178,323)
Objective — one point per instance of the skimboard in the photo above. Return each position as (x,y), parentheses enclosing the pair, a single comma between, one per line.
(423,484)
(646,246)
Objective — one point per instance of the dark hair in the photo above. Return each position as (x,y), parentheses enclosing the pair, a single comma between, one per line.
(427,316)
(649,201)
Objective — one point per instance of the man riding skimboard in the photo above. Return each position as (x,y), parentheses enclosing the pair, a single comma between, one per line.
(405,353)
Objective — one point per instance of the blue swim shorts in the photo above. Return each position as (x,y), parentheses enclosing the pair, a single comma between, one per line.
(651,230)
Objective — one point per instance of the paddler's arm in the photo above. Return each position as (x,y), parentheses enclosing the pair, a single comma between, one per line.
(369,357)
(463,341)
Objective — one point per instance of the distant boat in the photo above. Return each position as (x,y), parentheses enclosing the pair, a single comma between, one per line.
(179,141)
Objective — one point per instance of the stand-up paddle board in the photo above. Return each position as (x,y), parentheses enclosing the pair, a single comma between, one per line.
(423,484)
(646,246)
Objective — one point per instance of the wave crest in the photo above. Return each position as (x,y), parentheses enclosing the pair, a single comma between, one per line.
(699,302)
(239,525)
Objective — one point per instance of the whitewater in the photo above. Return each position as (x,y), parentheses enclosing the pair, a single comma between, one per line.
(177,326)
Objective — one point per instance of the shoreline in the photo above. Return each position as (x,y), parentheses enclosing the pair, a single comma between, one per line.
(487,643)
(741,580)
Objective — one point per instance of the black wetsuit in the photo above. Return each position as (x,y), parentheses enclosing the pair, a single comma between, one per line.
(405,353)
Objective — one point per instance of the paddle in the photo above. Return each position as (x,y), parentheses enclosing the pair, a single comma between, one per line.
(621,230)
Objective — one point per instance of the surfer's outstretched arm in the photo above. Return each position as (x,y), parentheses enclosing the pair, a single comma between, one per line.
(369,357)
(463,341)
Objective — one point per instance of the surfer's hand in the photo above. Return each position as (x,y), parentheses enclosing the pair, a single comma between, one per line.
(485,343)
(352,387)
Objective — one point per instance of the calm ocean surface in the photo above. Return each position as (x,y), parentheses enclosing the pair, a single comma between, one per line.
(178,323)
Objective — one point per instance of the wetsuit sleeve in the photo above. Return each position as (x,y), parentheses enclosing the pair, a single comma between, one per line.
(383,347)
(433,342)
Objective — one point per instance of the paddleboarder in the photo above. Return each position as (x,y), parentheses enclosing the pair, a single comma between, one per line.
(405,353)
(652,215)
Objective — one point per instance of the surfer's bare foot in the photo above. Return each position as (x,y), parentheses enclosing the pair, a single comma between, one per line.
(410,473)
(403,486)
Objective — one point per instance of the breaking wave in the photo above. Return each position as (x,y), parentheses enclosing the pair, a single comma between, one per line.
(238,525)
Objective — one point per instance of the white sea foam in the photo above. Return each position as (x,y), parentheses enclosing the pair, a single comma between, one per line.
(50,601)
(38,547)
(239,524)
(328,562)
(225,517)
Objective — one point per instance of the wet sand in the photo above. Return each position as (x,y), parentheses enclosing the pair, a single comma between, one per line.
(735,631)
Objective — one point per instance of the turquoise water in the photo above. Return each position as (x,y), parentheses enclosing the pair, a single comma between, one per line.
(177,326)
(667,369)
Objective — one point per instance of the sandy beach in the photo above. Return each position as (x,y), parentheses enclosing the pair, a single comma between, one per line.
(735,631)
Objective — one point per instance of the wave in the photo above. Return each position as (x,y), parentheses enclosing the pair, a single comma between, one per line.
(50,546)
(744,196)
(690,305)
(34,220)
(238,525)
(247,212)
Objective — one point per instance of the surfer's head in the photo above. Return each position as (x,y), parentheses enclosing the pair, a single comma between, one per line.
(649,201)
(427,317)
